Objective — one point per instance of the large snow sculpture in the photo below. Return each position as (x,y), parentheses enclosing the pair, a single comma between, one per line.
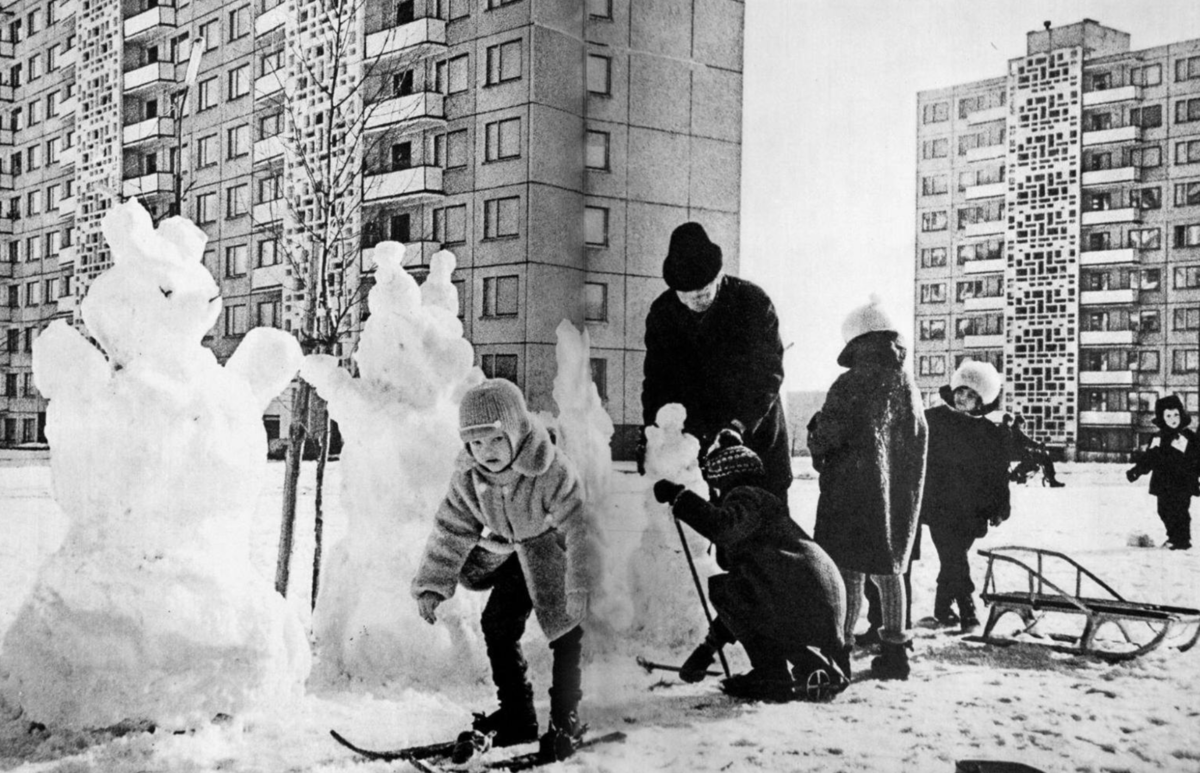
(151,608)
(399,421)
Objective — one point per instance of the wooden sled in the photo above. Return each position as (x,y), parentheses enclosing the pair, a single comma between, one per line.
(1102,607)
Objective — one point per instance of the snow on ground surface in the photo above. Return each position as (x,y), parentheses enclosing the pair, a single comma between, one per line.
(1052,710)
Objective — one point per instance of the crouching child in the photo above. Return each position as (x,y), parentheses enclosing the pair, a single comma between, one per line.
(782,597)
(513,523)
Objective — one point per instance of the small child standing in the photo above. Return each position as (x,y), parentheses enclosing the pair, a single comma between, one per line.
(1173,461)
(782,598)
(536,557)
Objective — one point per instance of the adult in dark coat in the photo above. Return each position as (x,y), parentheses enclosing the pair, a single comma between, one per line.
(868,444)
(1173,461)
(712,345)
(781,594)
(966,484)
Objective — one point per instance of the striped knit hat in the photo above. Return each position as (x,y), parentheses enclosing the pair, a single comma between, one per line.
(732,464)
(494,404)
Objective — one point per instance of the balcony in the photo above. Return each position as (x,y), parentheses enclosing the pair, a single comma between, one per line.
(1106,378)
(987,152)
(415,254)
(1106,337)
(1105,216)
(984,342)
(269,212)
(271,83)
(6,92)
(66,257)
(1106,418)
(270,20)
(150,129)
(1105,136)
(68,155)
(985,228)
(66,207)
(149,20)
(1093,297)
(416,112)
(1107,257)
(6,225)
(998,113)
(6,49)
(153,184)
(986,191)
(418,38)
(6,137)
(1109,96)
(157,74)
(985,303)
(416,184)
(268,276)
(1121,174)
(68,107)
(269,148)
(6,181)
(993,266)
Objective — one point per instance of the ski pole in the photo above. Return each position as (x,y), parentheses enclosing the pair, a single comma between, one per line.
(700,590)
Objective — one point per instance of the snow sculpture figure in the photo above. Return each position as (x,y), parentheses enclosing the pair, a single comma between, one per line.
(399,423)
(151,608)
(666,608)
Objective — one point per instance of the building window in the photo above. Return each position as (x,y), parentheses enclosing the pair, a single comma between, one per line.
(450,225)
(238,141)
(268,253)
(1187,277)
(1146,198)
(32,294)
(931,365)
(33,204)
(51,289)
(981,325)
(1186,69)
(239,82)
(1184,360)
(500,217)
(492,4)
(1146,157)
(932,329)
(451,76)
(33,157)
(595,226)
(270,125)
(934,184)
(1147,362)
(599,9)
(1149,75)
(206,208)
(206,96)
(1187,152)
(450,150)
(210,33)
(985,101)
(504,62)
(270,62)
(599,74)
(499,366)
(933,221)
(1186,319)
(1145,238)
(938,148)
(239,22)
(236,200)
(599,368)
(933,257)
(1187,194)
(206,150)
(981,213)
(270,188)
(595,302)
(983,287)
(596,150)
(52,197)
(235,260)
(935,112)
(1150,279)
(1147,117)
(235,320)
(503,139)
(1186,236)
(992,249)
(267,313)
(934,292)
(500,296)
(35,67)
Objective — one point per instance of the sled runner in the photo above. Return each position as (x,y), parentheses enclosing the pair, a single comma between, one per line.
(1040,596)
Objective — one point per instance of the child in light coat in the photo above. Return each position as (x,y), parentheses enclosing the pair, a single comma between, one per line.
(513,523)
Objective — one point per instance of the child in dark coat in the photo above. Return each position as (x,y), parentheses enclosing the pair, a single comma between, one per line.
(782,596)
(1173,461)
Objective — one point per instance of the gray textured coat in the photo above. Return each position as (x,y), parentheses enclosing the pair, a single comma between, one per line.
(535,508)
(868,443)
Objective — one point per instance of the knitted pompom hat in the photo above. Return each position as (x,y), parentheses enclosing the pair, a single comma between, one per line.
(494,404)
(867,319)
(981,377)
(732,463)
(692,260)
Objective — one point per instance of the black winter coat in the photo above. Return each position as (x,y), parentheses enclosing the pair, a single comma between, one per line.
(781,586)
(966,473)
(868,444)
(722,365)
(1172,472)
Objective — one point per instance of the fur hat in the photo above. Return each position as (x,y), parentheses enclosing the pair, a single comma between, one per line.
(494,404)
(1167,402)
(867,319)
(692,260)
(731,463)
(981,377)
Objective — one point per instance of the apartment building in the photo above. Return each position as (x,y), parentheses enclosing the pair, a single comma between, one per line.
(1058,234)
(551,146)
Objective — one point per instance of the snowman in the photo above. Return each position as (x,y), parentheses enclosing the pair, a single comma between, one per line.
(399,423)
(151,609)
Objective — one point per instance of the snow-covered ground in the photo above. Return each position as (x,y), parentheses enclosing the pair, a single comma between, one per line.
(1051,710)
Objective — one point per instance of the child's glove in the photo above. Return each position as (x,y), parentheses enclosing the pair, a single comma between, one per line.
(1131,474)
(665,491)
(577,604)
(427,604)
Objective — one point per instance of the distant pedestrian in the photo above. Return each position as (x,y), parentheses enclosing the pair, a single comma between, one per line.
(1173,461)
(868,444)
(1030,454)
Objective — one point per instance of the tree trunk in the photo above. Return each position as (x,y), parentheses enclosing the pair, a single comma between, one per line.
(319,499)
(297,435)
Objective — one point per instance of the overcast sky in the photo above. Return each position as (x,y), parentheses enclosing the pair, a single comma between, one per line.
(829,158)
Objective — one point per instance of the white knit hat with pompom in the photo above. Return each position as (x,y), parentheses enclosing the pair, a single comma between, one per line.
(981,377)
(867,319)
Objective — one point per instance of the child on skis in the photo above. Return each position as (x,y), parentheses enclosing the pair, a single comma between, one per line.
(1173,461)
(513,482)
(782,597)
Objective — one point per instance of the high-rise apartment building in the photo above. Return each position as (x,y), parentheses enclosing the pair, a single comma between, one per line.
(1058,234)
(551,145)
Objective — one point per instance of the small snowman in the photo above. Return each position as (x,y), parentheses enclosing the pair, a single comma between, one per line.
(152,609)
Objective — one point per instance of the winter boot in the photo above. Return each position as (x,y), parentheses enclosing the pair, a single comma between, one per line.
(892,662)
(868,639)
(513,723)
(943,612)
(562,737)
(969,622)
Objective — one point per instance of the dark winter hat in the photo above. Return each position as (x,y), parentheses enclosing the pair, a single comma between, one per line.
(494,404)
(1167,402)
(732,463)
(692,260)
